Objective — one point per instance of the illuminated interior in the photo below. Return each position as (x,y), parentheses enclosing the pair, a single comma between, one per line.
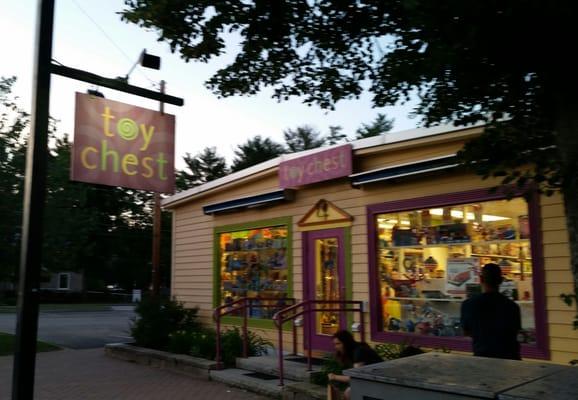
(327,284)
(429,262)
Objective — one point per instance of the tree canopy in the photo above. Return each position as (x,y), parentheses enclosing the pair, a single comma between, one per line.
(254,151)
(381,124)
(103,232)
(506,63)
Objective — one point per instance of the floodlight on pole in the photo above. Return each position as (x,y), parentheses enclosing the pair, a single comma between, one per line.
(145,60)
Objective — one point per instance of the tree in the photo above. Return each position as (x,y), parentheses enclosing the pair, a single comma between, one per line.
(203,167)
(335,135)
(506,63)
(13,125)
(255,151)
(302,138)
(377,127)
(104,232)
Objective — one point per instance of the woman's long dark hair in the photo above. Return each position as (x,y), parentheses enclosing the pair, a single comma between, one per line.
(345,358)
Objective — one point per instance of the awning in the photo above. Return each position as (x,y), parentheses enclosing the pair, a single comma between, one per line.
(258,200)
(403,170)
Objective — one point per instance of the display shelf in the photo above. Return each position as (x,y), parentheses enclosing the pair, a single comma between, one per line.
(500,256)
(451,300)
(425,246)
(424,299)
(250,250)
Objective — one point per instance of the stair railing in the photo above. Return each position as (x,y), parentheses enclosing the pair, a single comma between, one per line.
(243,307)
(308,308)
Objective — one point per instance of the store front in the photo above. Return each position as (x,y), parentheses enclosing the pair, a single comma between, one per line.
(388,221)
(427,256)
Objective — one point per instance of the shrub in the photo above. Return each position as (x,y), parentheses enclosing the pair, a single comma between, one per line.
(393,351)
(232,345)
(330,365)
(158,318)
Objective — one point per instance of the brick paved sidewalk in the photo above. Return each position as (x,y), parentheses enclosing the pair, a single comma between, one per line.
(90,375)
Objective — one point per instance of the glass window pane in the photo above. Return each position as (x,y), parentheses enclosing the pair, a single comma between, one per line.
(429,262)
(327,284)
(254,264)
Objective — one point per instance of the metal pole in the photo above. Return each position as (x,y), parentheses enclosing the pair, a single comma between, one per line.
(245,332)
(280,338)
(33,211)
(156,256)
(218,339)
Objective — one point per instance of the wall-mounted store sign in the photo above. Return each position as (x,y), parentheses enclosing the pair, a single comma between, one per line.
(119,144)
(317,167)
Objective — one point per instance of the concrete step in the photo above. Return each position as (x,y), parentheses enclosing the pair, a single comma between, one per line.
(269,364)
(243,379)
(304,391)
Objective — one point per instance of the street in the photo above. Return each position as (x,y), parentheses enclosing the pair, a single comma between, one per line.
(79,330)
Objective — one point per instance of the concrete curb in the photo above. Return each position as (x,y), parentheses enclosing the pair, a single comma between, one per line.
(180,363)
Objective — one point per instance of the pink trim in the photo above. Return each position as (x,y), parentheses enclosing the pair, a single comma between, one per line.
(319,342)
(539,350)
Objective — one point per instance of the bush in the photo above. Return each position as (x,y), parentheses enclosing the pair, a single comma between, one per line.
(232,345)
(158,318)
(330,365)
(199,343)
(393,351)
(203,343)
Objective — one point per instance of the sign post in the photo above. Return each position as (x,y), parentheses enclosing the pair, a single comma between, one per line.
(35,189)
(33,211)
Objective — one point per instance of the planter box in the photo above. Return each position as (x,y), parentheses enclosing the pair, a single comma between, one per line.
(180,363)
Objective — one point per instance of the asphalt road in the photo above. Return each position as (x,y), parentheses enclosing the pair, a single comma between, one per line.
(79,330)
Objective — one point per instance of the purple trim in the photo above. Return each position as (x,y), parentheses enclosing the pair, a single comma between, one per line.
(539,350)
(321,342)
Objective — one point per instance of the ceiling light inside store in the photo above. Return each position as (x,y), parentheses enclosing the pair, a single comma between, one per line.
(470,216)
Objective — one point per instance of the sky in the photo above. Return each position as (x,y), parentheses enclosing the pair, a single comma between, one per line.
(89,35)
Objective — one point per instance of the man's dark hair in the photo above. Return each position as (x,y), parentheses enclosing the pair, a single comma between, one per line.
(492,275)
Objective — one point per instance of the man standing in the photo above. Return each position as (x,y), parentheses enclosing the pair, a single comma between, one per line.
(491,319)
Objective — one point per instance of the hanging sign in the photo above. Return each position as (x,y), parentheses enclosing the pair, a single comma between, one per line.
(316,167)
(118,144)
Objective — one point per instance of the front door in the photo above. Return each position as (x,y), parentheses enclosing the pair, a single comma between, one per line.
(324,280)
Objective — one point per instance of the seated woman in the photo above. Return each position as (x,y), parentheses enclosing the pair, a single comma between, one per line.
(349,353)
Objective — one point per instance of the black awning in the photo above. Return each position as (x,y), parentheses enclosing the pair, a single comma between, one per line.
(403,170)
(249,201)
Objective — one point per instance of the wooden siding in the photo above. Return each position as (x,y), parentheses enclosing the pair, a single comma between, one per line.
(193,236)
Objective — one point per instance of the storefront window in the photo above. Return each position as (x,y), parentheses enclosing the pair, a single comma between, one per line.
(253,264)
(429,262)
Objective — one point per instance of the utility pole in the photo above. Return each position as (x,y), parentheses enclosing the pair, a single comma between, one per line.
(156,256)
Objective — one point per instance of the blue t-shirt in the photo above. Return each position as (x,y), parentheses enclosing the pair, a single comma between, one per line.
(494,321)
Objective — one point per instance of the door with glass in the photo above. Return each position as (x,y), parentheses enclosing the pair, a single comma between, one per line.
(324,280)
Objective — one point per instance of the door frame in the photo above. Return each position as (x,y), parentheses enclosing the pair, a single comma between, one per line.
(343,234)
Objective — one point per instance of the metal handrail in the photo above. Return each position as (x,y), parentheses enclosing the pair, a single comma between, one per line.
(240,305)
(279,318)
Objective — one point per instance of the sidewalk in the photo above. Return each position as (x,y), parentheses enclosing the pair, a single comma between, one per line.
(90,375)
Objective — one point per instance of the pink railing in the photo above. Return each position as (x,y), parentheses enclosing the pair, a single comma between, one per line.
(308,308)
(243,307)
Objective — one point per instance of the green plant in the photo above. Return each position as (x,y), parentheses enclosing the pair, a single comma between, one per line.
(157,319)
(232,345)
(392,351)
(204,344)
(330,366)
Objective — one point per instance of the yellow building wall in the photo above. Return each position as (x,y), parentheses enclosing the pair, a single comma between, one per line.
(192,271)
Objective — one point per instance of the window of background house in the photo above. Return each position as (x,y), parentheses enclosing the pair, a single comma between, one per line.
(63,281)
(429,261)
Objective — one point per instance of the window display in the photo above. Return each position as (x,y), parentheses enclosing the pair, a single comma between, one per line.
(253,264)
(429,262)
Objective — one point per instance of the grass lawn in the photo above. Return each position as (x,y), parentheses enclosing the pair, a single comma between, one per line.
(7,345)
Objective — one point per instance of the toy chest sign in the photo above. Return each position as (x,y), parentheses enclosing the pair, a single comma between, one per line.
(118,144)
(316,167)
